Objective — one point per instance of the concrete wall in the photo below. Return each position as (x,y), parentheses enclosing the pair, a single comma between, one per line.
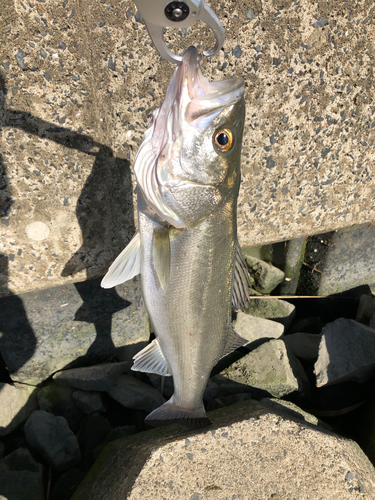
(79,80)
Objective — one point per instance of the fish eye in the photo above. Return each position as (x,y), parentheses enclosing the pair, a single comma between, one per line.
(223,140)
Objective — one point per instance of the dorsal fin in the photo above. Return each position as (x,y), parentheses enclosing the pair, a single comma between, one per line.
(234,341)
(241,281)
(161,254)
(126,266)
(151,360)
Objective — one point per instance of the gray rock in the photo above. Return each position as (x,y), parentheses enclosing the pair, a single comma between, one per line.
(121,432)
(52,438)
(62,329)
(237,52)
(249,448)
(20,59)
(92,378)
(350,261)
(323,21)
(372,322)
(293,262)
(278,310)
(252,328)
(266,277)
(66,485)
(366,309)
(271,367)
(220,387)
(21,477)
(304,345)
(346,352)
(58,400)
(289,408)
(2,449)
(250,14)
(132,393)
(89,402)
(17,402)
(94,431)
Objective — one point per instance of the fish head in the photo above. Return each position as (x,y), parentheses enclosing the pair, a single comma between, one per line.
(189,161)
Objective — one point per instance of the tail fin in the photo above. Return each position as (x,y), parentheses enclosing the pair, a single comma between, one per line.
(169,413)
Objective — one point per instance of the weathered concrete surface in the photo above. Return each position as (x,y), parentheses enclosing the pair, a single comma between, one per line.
(79,81)
(45,331)
(350,261)
(250,452)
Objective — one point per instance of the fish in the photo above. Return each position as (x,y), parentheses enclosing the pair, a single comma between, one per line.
(186,249)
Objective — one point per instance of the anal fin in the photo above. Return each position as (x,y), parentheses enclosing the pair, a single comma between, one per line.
(151,360)
(234,341)
(241,281)
(126,266)
(161,255)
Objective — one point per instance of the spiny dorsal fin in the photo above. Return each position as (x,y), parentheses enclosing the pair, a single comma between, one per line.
(241,281)
(151,360)
(126,266)
(161,254)
(234,341)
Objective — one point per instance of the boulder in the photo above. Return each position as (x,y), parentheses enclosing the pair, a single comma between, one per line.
(278,310)
(253,328)
(21,477)
(66,485)
(221,387)
(271,367)
(249,448)
(303,345)
(92,378)
(17,402)
(366,309)
(346,352)
(94,431)
(266,276)
(52,438)
(132,393)
(77,324)
(89,402)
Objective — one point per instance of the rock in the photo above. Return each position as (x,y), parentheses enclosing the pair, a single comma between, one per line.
(58,400)
(293,262)
(303,345)
(372,322)
(271,367)
(250,14)
(92,378)
(346,352)
(164,385)
(248,449)
(66,485)
(278,310)
(121,432)
(21,477)
(80,323)
(266,277)
(2,449)
(220,387)
(252,328)
(93,432)
(89,402)
(52,438)
(289,408)
(350,260)
(132,393)
(311,324)
(366,309)
(17,402)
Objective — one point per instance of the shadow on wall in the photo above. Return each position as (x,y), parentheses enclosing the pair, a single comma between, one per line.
(96,212)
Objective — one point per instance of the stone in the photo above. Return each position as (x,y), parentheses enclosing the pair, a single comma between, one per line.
(220,386)
(73,325)
(278,310)
(293,262)
(17,402)
(52,438)
(2,449)
(121,432)
(266,277)
(289,408)
(66,485)
(366,309)
(250,14)
(346,352)
(58,400)
(21,477)
(350,261)
(249,448)
(252,328)
(271,367)
(303,345)
(94,431)
(132,393)
(311,324)
(92,378)
(89,402)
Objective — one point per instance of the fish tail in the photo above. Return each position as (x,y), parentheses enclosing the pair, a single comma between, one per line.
(170,413)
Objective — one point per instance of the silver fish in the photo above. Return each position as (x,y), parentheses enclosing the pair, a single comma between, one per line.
(188,176)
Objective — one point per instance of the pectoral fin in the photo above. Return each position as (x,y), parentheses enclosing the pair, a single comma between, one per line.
(151,360)
(161,255)
(234,341)
(241,281)
(126,266)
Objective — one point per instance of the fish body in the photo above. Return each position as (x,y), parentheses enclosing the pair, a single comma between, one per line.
(188,176)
